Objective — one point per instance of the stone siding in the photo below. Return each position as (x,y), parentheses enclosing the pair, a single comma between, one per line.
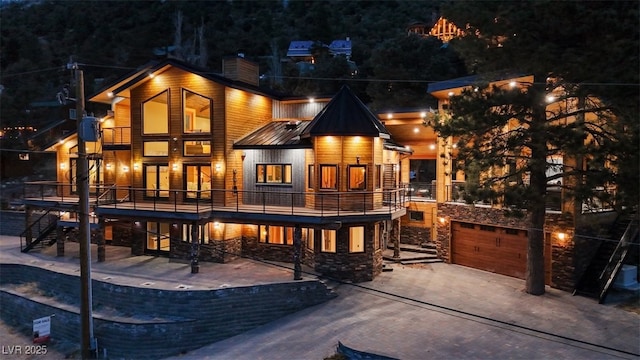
(415,235)
(134,322)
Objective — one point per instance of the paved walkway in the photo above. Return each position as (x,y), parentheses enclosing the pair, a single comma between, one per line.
(437,311)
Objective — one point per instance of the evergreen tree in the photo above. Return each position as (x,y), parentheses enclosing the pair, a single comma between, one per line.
(575,103)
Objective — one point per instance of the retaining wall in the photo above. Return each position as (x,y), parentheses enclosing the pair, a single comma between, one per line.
(144,323)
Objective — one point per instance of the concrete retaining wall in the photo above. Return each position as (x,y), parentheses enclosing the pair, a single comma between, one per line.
(137,323)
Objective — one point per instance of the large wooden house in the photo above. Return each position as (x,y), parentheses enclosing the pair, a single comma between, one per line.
(207,167)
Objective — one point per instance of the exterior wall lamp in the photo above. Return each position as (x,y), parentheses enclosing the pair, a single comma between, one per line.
(218,168)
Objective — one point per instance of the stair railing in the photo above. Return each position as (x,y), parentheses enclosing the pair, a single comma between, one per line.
(616,260)
(39,226)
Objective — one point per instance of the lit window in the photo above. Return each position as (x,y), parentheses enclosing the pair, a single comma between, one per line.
(197,113)
(273,174)
(357,177)
(310,238)
(155,115)
(155,148)
(156,179)
(329,177)
(311,177)
(203,233)
(276,235)
(328,241)
(197,148)
(356,239)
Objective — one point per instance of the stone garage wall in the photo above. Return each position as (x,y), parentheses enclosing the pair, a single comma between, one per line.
(144,323)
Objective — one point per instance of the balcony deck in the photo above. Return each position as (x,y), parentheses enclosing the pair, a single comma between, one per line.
(108,206)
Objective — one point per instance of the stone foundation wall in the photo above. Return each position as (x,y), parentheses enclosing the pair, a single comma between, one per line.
(415,235)
(144,323)
(218,251)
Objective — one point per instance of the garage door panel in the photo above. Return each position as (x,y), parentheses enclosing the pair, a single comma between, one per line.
(499,250)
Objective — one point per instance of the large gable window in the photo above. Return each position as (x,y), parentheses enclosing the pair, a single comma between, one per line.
(155,115)
(196,113)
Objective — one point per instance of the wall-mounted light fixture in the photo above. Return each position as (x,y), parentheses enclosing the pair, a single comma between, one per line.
(218,168)
(63,166)
(175,166)
(136,166)
(442,220)
(108,166)
(125,169)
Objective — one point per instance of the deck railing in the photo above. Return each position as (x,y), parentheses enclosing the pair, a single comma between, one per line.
(293,203)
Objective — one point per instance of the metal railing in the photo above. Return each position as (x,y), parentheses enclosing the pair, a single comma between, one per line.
(116,136)
(192,201)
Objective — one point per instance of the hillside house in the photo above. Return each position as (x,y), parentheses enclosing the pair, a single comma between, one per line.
(206,167)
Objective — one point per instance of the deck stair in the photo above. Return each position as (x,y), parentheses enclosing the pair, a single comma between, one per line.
(43,229)
(413,254)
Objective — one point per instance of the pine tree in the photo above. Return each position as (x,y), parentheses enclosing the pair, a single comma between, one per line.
(571,101)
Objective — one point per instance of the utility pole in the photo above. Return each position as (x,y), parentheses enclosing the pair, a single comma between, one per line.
(87,343)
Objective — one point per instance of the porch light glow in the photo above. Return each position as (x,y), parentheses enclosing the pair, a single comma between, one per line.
(389,116)
(562,236)
(512,84)
(312,100)
(175,167)
(423,114)
(125,169)
(136,166)
(151,76)
(63,166)
(110,94)
(442,220)
(416,130)
(218,167)
(450,93)
(550,98)
(432,147)
(108,166)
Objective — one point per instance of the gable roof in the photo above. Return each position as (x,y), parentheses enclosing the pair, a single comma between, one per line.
(121,87)
(346,115)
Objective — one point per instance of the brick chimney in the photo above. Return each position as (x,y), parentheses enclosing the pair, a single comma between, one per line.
(240,69)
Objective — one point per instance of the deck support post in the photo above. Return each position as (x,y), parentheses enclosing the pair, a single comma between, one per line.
(195,248)
(297,252)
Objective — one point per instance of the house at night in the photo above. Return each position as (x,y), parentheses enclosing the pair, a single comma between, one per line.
(207,167)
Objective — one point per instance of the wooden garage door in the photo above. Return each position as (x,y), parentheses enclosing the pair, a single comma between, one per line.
(490,248)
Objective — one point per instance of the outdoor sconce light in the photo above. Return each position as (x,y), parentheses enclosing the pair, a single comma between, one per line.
(432,147)
(218,168)
(175,167)
(442,220)
(450,93)
(562,236)
(216,225)
(125,169)
(512,84)
(108,166)
(63,166)
(136,166)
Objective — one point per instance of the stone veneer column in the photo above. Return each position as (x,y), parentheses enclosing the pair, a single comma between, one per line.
(297,252)
(195,267)
(395,234)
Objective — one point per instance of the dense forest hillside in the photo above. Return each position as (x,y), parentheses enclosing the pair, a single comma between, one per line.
(110,38)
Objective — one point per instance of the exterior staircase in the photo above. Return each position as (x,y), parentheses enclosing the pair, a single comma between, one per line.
(611,254)
(413,254)
(43,229)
